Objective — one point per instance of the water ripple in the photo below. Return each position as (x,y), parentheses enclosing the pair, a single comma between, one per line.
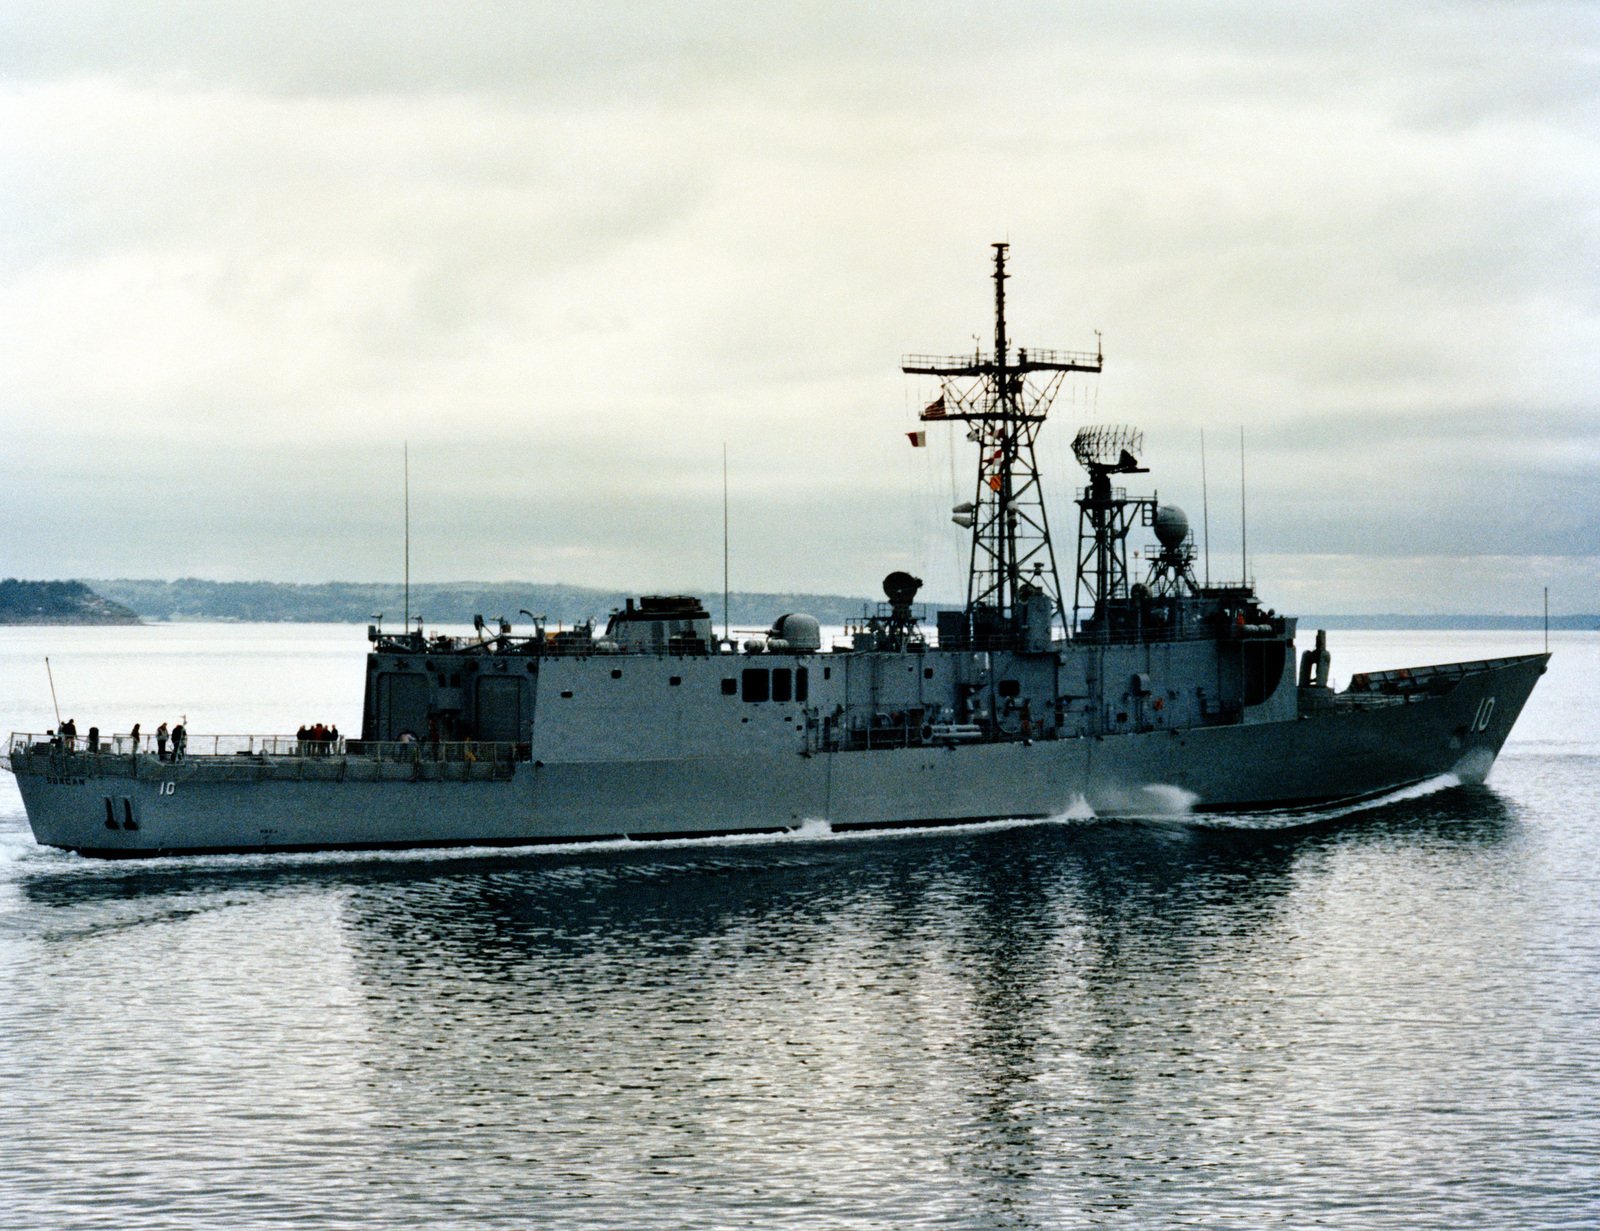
(1373,1016)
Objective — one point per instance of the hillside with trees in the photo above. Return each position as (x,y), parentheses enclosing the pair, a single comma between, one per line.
(342,602)
(58,602)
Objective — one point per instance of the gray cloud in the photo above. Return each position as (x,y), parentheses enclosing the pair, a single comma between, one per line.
(567,252)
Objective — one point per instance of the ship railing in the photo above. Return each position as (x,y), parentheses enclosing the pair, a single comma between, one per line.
(409,751)
(1188,630)
(1433,678)
(146,744)
(1142,636)
(23,743)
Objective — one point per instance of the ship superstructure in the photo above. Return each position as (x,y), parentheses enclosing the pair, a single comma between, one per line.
(1018,704)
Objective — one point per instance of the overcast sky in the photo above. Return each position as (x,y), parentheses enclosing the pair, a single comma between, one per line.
(569,251)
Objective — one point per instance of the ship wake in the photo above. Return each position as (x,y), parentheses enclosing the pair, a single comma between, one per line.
(1328,813)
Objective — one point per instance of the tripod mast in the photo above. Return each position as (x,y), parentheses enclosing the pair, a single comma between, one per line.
(1004,396)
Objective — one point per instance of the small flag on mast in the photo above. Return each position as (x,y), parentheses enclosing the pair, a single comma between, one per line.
(934,409)
(919,440)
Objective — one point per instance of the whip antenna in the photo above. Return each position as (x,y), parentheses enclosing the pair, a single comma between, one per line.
(51,677)
(726,627)
(1244,528)
(405,455)
(1205,504)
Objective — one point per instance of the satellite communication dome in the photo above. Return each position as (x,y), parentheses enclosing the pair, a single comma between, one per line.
(1172,527)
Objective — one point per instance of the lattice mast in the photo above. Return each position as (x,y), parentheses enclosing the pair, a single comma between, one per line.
(1005,397)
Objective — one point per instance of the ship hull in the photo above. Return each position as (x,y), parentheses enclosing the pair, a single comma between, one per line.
(1332,752)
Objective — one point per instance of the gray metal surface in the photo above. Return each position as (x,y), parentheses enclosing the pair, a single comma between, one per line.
(223,803)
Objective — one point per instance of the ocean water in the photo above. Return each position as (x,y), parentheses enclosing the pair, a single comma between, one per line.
(1376,1017)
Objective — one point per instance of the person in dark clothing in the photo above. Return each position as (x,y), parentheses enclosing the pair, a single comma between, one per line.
(161,742)
(180,741)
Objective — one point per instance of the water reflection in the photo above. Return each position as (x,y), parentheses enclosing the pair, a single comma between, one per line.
(986,1022)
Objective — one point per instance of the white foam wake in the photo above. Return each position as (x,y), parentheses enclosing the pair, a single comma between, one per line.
(1321,814)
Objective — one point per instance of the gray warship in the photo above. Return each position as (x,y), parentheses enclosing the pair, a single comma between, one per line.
(1147,688)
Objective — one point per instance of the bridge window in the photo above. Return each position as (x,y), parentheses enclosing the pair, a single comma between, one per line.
(782,684)
(755,684)
(802,683)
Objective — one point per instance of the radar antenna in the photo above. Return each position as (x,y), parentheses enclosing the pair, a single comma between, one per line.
(1105,514)
(1004,396)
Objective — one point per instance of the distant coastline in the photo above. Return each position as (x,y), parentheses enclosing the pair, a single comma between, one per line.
(196,599)
(339,602)
(1452,623)
(58,602)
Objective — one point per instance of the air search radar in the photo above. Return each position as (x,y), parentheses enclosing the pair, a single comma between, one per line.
(1109,447)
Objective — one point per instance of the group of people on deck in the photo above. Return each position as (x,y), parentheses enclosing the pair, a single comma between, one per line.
(318,740)
(170,745)
(180,741)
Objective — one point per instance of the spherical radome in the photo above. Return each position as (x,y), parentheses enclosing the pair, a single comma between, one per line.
(1172,527)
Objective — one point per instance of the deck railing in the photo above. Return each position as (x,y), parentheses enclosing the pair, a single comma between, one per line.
(273,747)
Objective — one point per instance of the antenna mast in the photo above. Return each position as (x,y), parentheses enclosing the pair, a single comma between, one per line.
(726,626)
(405,454)
(1244,523)
(1205,503)
(1004,397)
(56,705)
